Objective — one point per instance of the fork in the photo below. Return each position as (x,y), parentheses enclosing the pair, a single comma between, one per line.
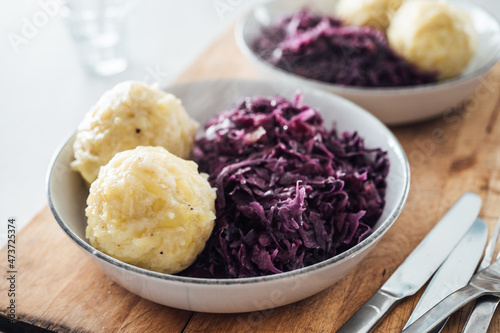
(484,308)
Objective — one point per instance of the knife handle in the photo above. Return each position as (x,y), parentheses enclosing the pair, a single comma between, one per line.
(370,313)
(481,315)
(432,318)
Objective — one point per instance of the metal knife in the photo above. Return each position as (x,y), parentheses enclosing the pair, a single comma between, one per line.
(419,266)
(455,272)
(486,282)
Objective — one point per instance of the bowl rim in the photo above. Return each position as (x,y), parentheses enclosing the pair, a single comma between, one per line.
(374,237)
(248,52)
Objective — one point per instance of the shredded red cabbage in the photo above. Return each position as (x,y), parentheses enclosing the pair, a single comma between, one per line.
(290,193)
(322,48)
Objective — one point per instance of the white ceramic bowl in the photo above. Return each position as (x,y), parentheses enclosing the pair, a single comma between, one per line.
(391,105)
(67,193)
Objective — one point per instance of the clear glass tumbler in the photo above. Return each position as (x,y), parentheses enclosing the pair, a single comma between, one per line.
(98,28)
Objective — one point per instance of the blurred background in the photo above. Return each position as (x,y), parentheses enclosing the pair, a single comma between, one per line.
(46,86)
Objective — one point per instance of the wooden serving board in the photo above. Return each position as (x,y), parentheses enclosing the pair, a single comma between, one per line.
(59,289)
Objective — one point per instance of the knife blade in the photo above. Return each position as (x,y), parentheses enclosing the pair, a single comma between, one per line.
(419,266)
(455,272)
(486,282)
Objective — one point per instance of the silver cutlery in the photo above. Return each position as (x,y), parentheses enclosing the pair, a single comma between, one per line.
(484,309)
(419,266)
(455,272)
(486,282)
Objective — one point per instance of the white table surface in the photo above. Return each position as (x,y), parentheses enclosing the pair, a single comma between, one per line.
(45,92)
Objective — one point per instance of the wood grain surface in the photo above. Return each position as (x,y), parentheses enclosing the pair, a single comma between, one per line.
(59,289)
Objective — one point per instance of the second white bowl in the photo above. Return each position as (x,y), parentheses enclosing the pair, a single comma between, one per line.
(392,106)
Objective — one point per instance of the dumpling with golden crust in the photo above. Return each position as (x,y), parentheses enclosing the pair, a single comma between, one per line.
(129,115)
(434,36)
(374,13)
(151,209)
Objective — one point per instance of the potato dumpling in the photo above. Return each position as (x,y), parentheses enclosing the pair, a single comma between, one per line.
(434,36)
(151,209)
(373,13)
(129,115)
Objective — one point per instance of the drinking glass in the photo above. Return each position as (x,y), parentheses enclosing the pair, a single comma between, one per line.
(98,28)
